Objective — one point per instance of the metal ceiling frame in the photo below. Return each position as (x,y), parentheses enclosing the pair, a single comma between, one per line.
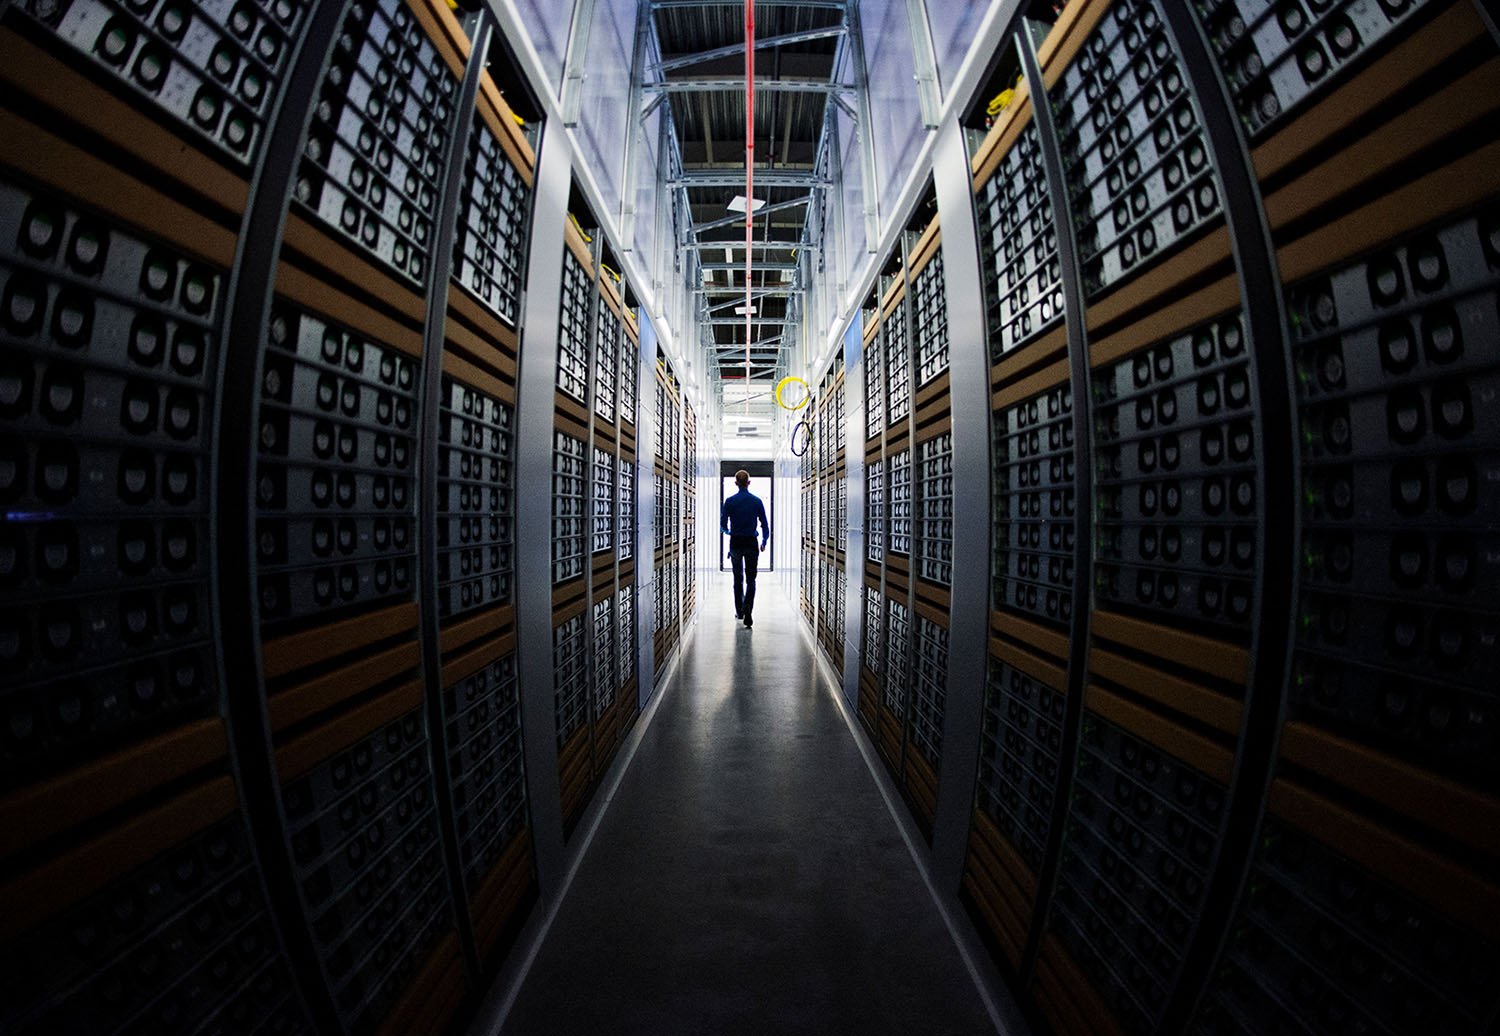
(819,180)
(728,83)
(764,210)
(761,43)
(826,5)
(736,178)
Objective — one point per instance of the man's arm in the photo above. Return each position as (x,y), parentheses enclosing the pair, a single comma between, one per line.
(765,526)
(724,517)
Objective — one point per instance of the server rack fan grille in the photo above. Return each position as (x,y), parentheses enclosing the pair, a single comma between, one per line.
(1034,503)
(659,519)
(840,424)
(573,331)
(490,247)
(898,665)
(899,481)
(660,433)
(604,654)
(569,469)
(111,344)
(1177,513)
(1276,57)
(930,318)
(874,365)
(1139,844)
(373,152)
(1018,249)
(475,501)
(570,686)
(364,835)
(935,500)
(604,500)
(212,69)
(630,363)
(335,471)
(487,764)
(1136,161)
(897,365)
(1318,922)
(872,646)
(626,619)
(196,911)
(828,503)
(929,689)
(1396,356)
(606,362)
(625,533)
(875,510)
(1020,748)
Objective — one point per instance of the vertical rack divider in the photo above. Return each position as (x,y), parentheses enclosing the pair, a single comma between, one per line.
(1078,379)
(252,283)
(434,337)
(1264,307)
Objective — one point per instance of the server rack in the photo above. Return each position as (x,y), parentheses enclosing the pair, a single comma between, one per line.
(676,426)
(324,425)
(593,563)
(828,534)
(1233,289)
(908,567)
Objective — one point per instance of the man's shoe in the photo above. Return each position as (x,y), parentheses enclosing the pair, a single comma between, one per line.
(739,615)
(748,623)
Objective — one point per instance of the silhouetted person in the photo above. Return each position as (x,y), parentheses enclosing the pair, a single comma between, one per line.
(737,517)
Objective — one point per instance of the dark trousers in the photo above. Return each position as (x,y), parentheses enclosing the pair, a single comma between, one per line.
(744,555)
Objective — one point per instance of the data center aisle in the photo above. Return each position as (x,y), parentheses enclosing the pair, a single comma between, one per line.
(747,876)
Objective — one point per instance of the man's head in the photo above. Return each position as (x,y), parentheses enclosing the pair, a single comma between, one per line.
(742,478)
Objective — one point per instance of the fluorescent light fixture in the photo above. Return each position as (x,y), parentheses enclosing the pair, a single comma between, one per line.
(745,311)
(738,204)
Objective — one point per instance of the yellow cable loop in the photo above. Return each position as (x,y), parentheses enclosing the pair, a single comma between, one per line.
(806,392)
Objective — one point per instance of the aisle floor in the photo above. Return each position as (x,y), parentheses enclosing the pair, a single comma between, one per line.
(747,876)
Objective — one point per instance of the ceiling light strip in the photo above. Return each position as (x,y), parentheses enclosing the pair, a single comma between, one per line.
(749,177)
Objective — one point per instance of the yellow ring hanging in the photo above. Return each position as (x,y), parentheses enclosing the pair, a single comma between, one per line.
(807,393)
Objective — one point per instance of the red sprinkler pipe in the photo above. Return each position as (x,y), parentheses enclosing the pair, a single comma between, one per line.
(749,178)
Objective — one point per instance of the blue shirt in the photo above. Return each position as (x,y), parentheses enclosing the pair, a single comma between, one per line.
(739,514)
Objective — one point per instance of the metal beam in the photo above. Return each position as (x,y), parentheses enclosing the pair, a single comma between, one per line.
(741,322)
(703,246)
(820,5)
(740,301)
(722,289)
(575,62)
(739,217)
(741,266)
(761,43)
(731,83)
(629,177)
(866,134)
(736,178)
(928,95)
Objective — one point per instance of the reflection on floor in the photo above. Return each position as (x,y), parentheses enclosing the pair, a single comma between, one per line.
(747,876)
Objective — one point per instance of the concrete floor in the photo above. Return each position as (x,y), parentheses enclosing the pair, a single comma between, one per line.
(747,877)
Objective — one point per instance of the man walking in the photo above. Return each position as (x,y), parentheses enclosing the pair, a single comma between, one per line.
(738,517)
